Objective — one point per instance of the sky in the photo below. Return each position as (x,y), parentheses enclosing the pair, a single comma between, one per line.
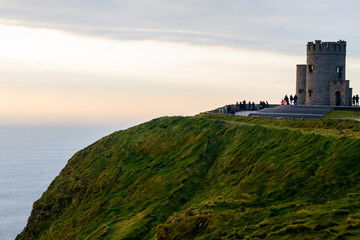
(106,62)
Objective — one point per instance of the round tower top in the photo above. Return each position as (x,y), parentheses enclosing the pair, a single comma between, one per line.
(319,47)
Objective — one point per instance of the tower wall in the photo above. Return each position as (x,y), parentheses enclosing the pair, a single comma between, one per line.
(325,64)
(342,91)
(301,83)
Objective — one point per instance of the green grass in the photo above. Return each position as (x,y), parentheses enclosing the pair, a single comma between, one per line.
(343,114)
(209,177)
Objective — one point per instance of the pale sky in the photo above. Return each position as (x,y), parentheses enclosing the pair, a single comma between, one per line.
(111,61)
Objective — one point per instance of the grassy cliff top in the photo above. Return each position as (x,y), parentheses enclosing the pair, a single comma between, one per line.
(208,177)
(343,114)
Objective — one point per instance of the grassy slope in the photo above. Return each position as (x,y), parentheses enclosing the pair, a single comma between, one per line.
(343,114)
(208,177)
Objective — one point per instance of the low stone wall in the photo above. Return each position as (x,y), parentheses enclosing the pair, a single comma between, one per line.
(223,110)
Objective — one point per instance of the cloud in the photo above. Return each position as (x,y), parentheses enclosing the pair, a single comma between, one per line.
(275,25)
(229,50)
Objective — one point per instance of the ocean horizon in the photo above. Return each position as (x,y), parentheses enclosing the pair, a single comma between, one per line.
(30,158)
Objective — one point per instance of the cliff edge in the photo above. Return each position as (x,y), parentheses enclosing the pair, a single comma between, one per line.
(208,177)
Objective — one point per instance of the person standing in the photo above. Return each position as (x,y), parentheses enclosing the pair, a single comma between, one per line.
(286,98)
(295,99)
(291,99)
(228,109)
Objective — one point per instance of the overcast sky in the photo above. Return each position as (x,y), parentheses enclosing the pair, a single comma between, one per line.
(111,61)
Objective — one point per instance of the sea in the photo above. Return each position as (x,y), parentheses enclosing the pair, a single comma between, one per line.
(30,158)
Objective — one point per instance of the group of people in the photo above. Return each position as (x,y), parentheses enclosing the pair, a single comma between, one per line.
(263,105)
(289,100)
(249,106)
(292,100)
(355,100)
(245,106)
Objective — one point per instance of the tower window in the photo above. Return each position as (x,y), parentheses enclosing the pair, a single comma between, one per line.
(310,92)
(311,68)
(339,72)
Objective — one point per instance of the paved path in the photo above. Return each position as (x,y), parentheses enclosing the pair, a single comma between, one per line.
(244,113)
(291,111)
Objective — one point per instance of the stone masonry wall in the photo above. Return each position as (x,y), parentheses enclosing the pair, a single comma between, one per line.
(301,83)
(325,63)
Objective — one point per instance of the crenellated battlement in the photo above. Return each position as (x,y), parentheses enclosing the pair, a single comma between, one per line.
(326,47)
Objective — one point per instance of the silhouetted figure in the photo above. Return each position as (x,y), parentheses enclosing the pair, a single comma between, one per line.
(286,99)
(267,104)
(244,105)
(291,99)
(295,99)
(253,106)
(357,99)
(262,105)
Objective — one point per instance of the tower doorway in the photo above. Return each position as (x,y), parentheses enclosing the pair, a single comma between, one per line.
(337,98)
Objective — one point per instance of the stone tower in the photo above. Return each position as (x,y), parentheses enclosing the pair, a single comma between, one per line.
(322,80)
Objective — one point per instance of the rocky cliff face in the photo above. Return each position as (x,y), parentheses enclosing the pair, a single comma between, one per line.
(208,177)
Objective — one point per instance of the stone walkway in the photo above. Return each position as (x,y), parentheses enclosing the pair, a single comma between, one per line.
(291,111)
(244,113)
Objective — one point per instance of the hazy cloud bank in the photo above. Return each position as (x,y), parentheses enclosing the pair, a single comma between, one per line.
(282,26)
